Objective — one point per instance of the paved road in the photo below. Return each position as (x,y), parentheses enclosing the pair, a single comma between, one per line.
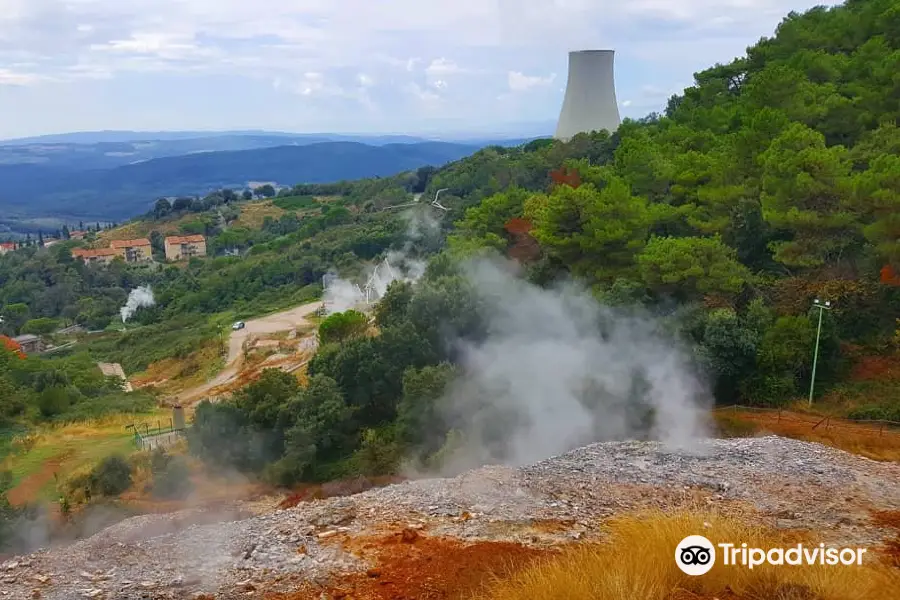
(283,321)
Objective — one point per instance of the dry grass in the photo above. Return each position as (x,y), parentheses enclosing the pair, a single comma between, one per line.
(142,229)
(864,440)
(173,375)
(254,213)
(638,562)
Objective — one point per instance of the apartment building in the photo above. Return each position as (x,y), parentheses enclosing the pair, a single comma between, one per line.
(133,251)
(185,246)
(100,255)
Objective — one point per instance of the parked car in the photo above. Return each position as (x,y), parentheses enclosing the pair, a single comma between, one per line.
(238,325)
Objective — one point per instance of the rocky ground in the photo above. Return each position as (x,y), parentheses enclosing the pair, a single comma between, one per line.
(777,481)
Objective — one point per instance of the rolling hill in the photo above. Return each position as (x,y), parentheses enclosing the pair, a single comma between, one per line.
(35,190)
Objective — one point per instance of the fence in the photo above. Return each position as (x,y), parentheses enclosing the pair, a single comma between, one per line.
(146,437)
(826,422)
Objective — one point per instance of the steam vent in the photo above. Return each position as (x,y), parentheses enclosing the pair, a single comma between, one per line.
(590,102)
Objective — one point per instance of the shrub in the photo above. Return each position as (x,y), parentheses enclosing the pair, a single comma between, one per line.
(111,477)
(56,400)
(342,326)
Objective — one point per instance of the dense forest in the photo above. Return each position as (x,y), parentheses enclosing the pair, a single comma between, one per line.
(773,181)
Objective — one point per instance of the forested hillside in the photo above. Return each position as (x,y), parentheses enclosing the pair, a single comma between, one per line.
(773,181)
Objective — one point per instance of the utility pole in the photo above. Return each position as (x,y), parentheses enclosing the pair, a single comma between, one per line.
(822,306)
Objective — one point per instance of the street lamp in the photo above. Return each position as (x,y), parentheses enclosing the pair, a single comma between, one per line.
(822,306)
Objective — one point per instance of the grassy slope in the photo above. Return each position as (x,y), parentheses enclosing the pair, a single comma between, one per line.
(254,213)
(61,450)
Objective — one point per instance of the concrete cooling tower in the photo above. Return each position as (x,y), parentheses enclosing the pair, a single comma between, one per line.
(590,102)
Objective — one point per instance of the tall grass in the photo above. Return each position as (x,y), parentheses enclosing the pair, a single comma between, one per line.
(638,563)
(857,438)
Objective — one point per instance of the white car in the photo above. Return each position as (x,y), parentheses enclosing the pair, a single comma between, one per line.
(238,325)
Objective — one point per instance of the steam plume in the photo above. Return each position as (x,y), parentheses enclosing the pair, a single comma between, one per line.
(557,371)
(139,297)
(422,229)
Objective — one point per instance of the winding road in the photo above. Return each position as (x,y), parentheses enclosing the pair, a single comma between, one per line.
(268,325)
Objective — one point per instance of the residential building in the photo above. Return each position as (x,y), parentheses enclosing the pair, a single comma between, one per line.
(30,344)
(50,241)
(100,255)
(7,247)
(77,235)
(133,250)
(185,246)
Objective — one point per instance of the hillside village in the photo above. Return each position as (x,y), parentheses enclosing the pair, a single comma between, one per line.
(472,380)
(176,248)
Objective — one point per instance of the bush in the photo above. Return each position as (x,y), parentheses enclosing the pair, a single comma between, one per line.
(343,326)
(876,412)
(111,477)
(56,400)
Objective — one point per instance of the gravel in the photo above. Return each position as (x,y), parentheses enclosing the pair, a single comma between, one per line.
(784,482)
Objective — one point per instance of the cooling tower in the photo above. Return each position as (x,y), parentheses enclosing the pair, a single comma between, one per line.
(590,102)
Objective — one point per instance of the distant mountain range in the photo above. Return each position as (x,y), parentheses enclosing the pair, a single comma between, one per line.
(33,190)
(114,175)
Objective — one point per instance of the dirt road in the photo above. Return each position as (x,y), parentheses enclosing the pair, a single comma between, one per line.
(268,325)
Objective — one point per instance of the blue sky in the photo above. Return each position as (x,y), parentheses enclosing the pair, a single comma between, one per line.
(405,66)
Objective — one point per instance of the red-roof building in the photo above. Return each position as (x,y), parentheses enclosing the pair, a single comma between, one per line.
(133,250)
(185,246)
(7,247)
(100,255)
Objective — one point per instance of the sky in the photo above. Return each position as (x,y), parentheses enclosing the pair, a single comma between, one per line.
(355,66)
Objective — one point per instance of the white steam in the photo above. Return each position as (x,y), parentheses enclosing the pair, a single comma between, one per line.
(341,295)
(558,371)
(140,297)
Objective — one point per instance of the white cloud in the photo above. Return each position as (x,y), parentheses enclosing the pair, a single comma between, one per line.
(10,77)
(519,82)
(467,52)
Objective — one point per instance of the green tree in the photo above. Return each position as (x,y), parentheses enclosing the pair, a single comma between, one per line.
(41,326)
(691,267)
(877,201)
(805,188)
(598,233)
(262,400)
(162,208)
(343,326)
(264,191)
(419,421)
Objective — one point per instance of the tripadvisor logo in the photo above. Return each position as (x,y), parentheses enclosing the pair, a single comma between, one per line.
(696,555)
